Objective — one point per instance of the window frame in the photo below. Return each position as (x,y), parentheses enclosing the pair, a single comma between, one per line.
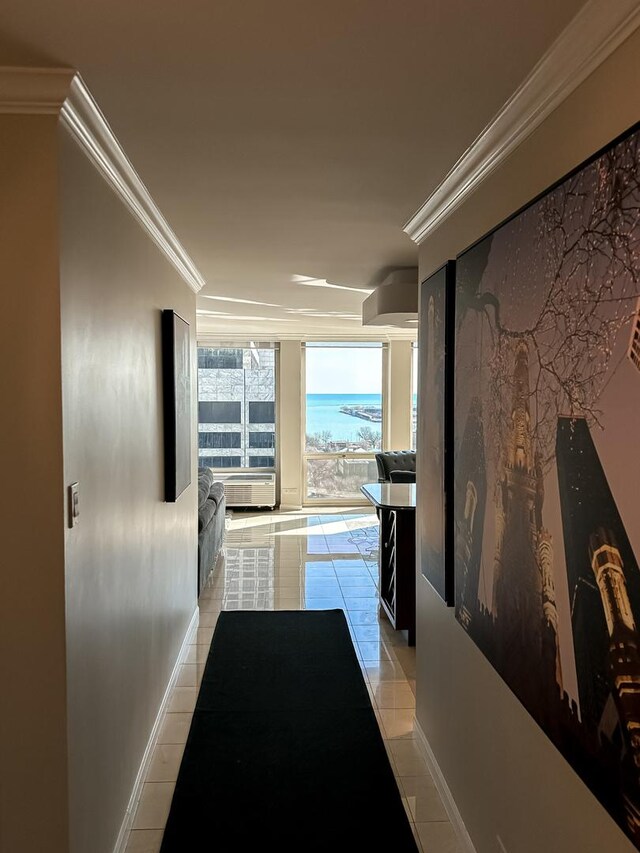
(415,376)
(244,424)
(384,424)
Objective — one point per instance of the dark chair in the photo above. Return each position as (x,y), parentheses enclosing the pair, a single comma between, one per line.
(399,476)
(395,460)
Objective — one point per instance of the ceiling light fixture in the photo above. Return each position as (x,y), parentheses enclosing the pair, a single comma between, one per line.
(394,302)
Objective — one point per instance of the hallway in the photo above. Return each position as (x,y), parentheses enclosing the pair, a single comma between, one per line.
(315,559)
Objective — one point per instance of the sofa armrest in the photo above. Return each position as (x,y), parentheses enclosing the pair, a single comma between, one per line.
(216,493)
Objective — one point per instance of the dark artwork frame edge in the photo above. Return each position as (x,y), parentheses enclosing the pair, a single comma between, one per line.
(449,269)
(172,487)
(551,187)
(449,395)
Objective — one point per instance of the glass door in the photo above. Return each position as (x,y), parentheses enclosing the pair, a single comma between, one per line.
(344,418)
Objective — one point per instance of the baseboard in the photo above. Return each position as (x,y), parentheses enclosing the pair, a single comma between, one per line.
(466,844)
(123,835)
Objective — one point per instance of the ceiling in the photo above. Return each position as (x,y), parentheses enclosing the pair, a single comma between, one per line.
(287,142)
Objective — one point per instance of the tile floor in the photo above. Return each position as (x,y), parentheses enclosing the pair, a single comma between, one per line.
(303,560)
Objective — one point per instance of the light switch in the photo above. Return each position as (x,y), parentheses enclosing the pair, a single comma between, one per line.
(74,505)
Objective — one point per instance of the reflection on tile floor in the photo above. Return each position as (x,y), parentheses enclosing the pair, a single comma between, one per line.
(303,560)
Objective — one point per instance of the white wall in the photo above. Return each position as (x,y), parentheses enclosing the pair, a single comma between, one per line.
(131,563)
(91,618)
(505,775)
(33,741)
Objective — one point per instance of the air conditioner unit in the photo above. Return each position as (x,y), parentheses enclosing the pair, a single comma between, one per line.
(249,489)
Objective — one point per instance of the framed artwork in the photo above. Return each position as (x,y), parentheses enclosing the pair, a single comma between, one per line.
(176,387)
(547,412)
(434,469)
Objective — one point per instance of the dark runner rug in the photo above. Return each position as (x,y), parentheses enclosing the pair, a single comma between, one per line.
(284,751)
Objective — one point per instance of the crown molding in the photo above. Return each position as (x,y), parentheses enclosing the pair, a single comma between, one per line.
(593,35)
(82,117)
(212,335)
(33,91)
(63,92)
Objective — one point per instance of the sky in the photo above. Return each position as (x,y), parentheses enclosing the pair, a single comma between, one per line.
(344,370)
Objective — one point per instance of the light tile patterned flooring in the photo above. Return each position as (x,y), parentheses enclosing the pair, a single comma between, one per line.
(303,560)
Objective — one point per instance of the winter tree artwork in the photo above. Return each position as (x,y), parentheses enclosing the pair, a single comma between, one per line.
(547,468)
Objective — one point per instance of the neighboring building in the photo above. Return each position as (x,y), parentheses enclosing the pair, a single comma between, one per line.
(236,407)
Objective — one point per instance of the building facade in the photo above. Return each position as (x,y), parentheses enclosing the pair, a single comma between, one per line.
(236,407)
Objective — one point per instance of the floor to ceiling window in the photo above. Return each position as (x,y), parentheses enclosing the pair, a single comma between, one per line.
(237,406)
(343,419)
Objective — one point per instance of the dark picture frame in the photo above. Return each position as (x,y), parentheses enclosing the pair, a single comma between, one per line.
(547,384)
(434,469)
(176,388)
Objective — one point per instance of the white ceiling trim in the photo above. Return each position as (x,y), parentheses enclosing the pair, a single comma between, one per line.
(34,91)
(83,119)
(594,34)
(53,91)
(207,337)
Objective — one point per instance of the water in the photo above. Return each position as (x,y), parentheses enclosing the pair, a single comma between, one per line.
(323,414)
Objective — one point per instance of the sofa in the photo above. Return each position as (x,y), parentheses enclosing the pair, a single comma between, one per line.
(211,513)
(396,465)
